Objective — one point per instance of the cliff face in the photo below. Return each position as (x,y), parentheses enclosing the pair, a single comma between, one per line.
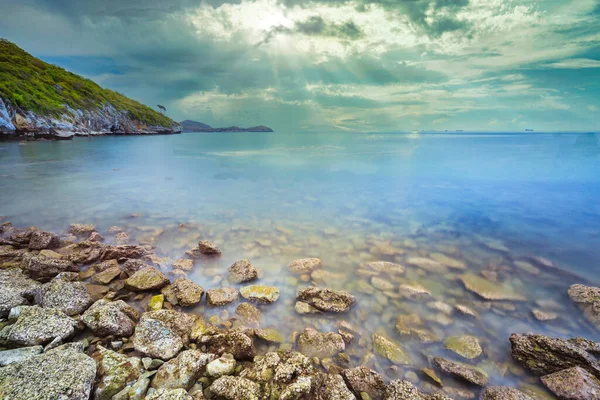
(41,100)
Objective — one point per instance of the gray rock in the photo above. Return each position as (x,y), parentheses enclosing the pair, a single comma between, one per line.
(297,390)
(221,366)
(62,294)
(132,266)
(402,390)
(38,326)
(222,296)
(305,265)
(40,240)
(333,387)
(15,290)
(235,342)
(183,371)
(115,318)
(40,266)
(62,374)
(183,292)
(573,384)
(363,379)
(467,372)
(114,372)
(326,299)
(588,297)
(17,355)
(544,355)
(503,393)
(316,344)
(242,271)
(169,394)
(163,333)
(235,388)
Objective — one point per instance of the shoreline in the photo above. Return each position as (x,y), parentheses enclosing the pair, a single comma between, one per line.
(28,136)
(57,288)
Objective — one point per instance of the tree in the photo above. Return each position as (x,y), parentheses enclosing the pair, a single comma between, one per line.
(162,108)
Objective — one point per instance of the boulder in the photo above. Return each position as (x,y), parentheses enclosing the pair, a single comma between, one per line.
(82,230)
(573,384)
(183,371)
(249,314)
(62,373)
(391,350)
(220,367)
(305,265)
(588,297)
(260,293)
(469,373)
(132,266)
(120,252)
(115,318)
(163,333)
(15,290)
(235,342)
(17,355)
(222,296)
(326,300)
(204,248)
(86,252)
(63,294)
(149,278)
(544,355)
(38,326)
(41,240)
(503,393)
(114,372)
(332,387)
(107,275)
(490,290)
(364,380)
(183,264)
(316,344)
(183,292)
(235,388)
(242,271)
(40,266)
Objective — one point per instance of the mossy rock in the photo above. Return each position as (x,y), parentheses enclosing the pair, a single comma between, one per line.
(391,350)
(465,346)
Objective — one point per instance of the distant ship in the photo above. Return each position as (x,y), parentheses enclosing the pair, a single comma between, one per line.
(528,130)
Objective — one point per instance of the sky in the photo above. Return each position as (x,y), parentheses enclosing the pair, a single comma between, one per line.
(332,65)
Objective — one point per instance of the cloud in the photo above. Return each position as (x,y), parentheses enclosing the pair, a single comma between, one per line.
(574,63)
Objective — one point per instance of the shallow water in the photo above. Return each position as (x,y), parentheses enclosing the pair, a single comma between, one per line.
(487,200)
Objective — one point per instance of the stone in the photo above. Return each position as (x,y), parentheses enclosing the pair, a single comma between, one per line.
(222,296)
(427,264)
(503,393)
(183,292)
(381,283)
(234,342)
(542,315)
(467,372)
(249,314)
(121,252)
(489,290)
(15,290)
(573,384)
(183,264)
(204,248)
(304,308)
(387,267)
(38,326)
(155,303)
(163,333)
(169,394)
(62,294)
(82,230)
(17,355)
(413,291)
(104,265)
(114,372)
(465,346)
(41,267)
(106,276)
(82,253)
(544,355)
(433,376)
(391,350)
(270,335)
(305,265)
(260,293)
(149,278)
(235,388)
(316,344)
(220,367)
(588,297)
(326,300)
(333,387)
(96,237)
(132,266)
(242,271)
(466,311)
(41,240)
(402,390)
(115,318)
(182,371)
(449,261)
(365,380)
(62,373)
(297,390)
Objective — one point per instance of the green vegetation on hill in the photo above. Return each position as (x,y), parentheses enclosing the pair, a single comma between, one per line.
(33,85)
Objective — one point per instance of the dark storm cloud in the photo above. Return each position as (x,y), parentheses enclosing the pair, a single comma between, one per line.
(317,26)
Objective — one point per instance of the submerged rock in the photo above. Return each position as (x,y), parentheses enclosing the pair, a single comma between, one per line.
(149,278)
(183,371)
(222,296)
(305,265)
(467,372)
(82,230)
(110,318)
(386,266)
(316,344)
(184,292)
(62,294)
(234,342)
(249,314)
(503,393)
(62,373)
(391,350)
(573,384)
(544,355)
(242,271)
(365,380)
(114,372)
(427,264)
(163,333)
(235,388)
(260,293)
(465,346)
(15,290)
(204,248)
(38,326)
(326,300)
(183,264)
(489,290)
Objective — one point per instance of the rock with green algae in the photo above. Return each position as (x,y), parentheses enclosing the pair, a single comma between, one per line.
(163,333)
(221,296)
(364,380)
(110,318)
(326,300)
(235,388)
(15,289)
(270,335)
(260,293)
(61,373)
(573,383)
(183,292)
(298,389)
(156,302)
(489,290)
(391,350)
(433,376)
(405,390)
(148,278)
(465,346)
(469,373)
(236,342)
(222,366)
(183,371)
(317,344)
(169,394)
(65,294)
(503,393)
(114,372)
(37,326)
(20,354)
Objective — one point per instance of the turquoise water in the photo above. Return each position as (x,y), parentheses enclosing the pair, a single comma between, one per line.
(487,199)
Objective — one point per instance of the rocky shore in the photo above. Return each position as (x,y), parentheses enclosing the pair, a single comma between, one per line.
(89,315)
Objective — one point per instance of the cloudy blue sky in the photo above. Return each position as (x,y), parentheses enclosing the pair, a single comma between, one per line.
(325,65)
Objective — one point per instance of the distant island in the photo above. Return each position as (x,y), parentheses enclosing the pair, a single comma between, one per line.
(42,101)
(195,126)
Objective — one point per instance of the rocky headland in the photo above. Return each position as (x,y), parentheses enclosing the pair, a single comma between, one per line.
(89,315)
(194,126)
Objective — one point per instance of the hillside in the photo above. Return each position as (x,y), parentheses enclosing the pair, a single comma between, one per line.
(37,98)
(194,126)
